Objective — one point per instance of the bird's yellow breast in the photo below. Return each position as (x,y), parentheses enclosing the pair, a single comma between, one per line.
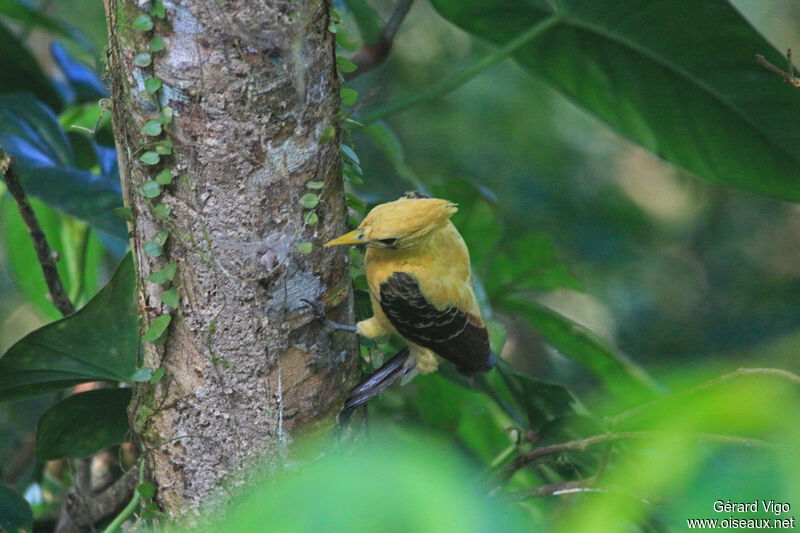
(440,264)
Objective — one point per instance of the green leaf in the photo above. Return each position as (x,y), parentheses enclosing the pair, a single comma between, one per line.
(150,158)
(15,513)
(527,263)
(161,211)
(165,274)
(83,424)
(304,247)
(164,177)
(157,375)
(98,343)
(351,154)
(150,189)
(24,266)
(157,43)
(166,114)
(164,147)
(309,200)
(345,65)
(354,202)
(327,134)
(158,327)
(315,184)
(33,16)
(617,371)
(46,165)
(124,213)
(146,490)
(161,237)
(352,173)
(311,218)
(155,247)
(82,80)
(689,91)
(158,10)
(143,22)
(143,374)
(143,60)
(348,96)
(425,485)
(152,128)
(171,298)
(367,19)
(541,402)
(152,85)
(20,72)
(385,140)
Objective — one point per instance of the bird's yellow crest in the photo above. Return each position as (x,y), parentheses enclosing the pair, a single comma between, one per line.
(399,224)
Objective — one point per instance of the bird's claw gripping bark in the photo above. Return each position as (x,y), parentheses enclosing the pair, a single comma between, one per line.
(331,325)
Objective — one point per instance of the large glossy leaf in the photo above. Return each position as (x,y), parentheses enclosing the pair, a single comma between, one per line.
(15,513)
(680,78)
(99,342)
(83,424)
(20,72)
(27,14)
(83,83)
(46,164)
(618,372)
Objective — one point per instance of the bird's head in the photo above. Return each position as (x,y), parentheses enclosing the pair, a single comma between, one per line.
(403,223)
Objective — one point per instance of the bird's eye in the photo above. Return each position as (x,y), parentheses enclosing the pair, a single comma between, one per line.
(388,242)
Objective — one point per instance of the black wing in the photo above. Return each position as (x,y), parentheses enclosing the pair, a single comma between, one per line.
(454,335)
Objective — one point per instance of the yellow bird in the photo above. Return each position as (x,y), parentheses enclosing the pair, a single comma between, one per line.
(418,272)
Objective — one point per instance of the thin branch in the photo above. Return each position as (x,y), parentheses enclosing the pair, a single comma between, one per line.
(44,253)
(78,516)
(573,445)
(462,76)
(788,77)
(558,489)
(373,54)
(582,444)
(83,476)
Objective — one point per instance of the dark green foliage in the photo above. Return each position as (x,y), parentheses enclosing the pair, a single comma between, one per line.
(46,164)
(552,215)
(689,91)
(15,513)
(23,265)
(99,342)
(83,424)
(20,73)
(618,372)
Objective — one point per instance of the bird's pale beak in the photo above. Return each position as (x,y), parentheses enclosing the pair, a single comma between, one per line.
(354,237)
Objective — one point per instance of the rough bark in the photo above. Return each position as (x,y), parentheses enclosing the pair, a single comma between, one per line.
(253,86)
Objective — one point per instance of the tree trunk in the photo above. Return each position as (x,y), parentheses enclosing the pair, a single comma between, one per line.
(254,90)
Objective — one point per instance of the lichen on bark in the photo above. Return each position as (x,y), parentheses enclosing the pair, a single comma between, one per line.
(253,85)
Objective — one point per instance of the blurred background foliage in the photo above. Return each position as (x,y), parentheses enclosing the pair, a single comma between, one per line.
(604,269)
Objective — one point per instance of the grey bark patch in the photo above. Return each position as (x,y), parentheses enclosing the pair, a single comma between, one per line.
(248,365)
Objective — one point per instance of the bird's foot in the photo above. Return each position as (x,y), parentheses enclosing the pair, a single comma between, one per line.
(319,311)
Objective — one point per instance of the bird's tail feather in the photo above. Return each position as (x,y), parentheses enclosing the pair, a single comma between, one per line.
(394,369)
